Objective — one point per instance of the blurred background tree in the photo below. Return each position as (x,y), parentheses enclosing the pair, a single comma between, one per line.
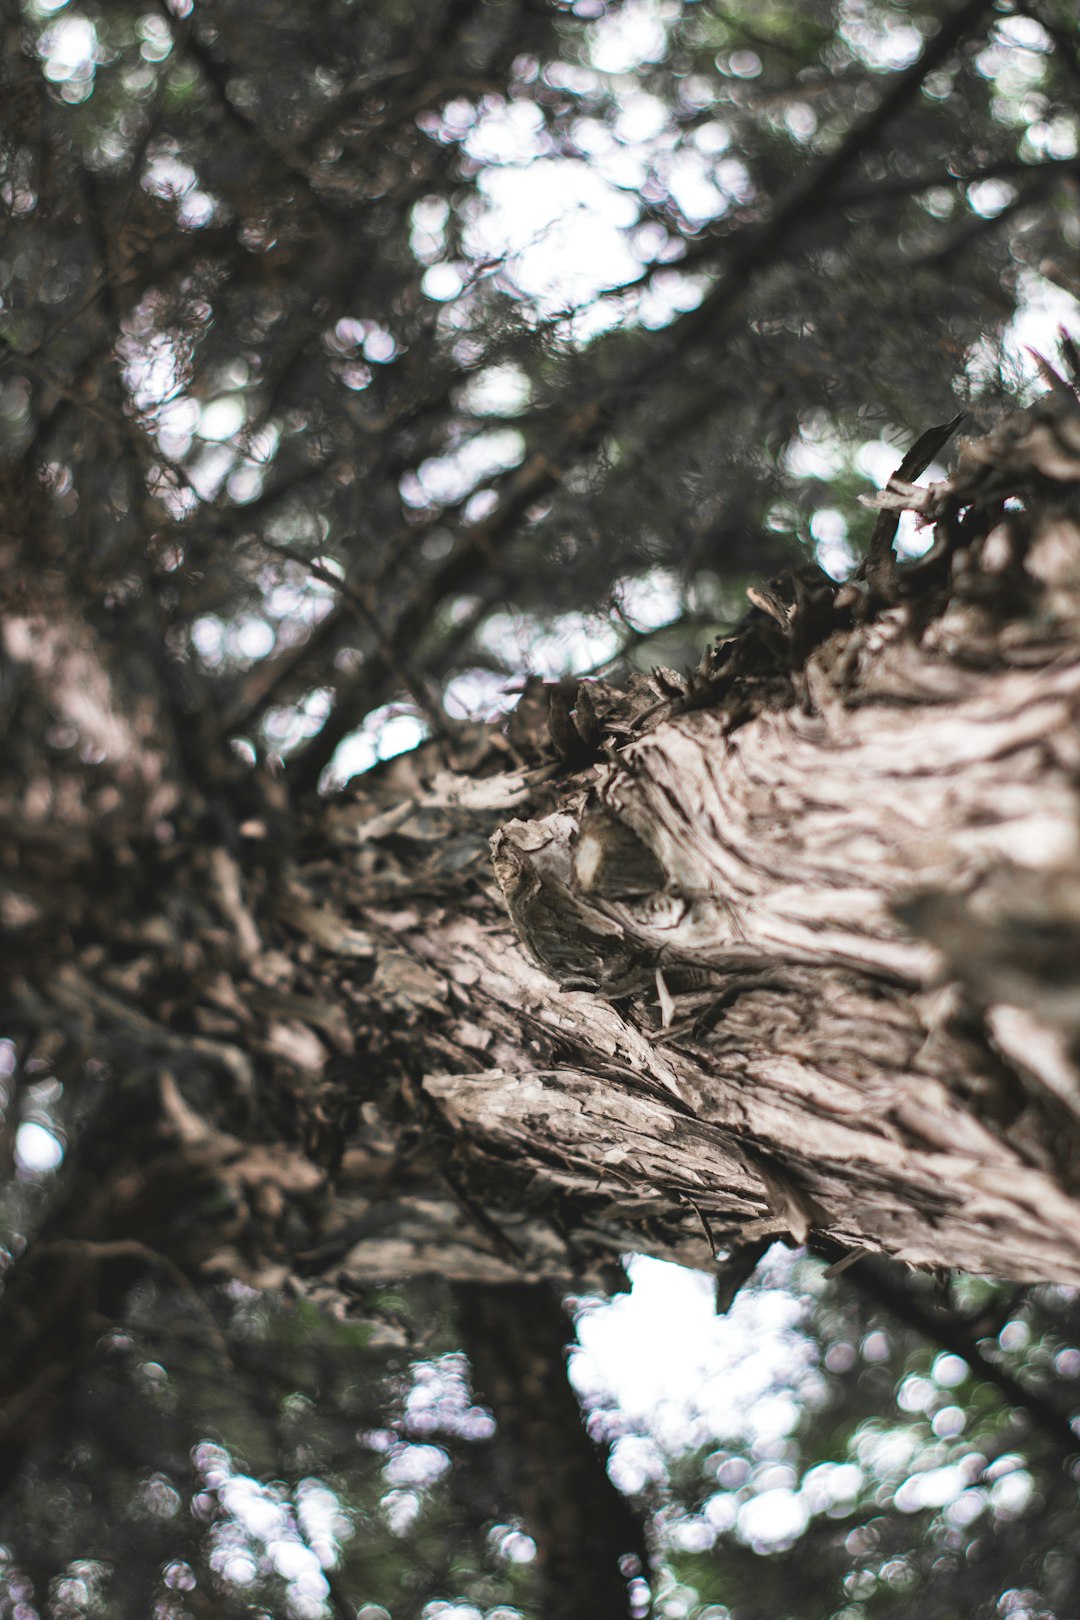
(358,361)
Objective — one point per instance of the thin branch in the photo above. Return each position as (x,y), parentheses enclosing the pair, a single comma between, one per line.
(901,185)
(393,655)
(888,1289)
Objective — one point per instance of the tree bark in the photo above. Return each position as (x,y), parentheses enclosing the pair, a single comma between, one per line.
(785,947)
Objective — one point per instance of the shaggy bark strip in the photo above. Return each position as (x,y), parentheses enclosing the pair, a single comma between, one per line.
(851,923)
(796,1014)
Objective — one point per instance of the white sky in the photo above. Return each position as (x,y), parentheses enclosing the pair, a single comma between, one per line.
(679,1371)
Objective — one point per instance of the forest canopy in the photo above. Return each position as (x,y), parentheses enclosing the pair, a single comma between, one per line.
(402,332)
(370,373)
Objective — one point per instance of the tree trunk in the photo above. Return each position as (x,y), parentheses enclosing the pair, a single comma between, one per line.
(588,1540)
(787,947)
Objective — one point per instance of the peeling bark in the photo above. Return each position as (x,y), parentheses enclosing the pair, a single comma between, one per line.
(787,947)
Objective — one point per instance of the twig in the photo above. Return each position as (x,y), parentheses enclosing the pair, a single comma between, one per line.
(878,568)
(432,710)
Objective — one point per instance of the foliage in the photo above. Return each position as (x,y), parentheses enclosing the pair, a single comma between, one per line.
(265,1444)
(421,327)
(247,1454)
